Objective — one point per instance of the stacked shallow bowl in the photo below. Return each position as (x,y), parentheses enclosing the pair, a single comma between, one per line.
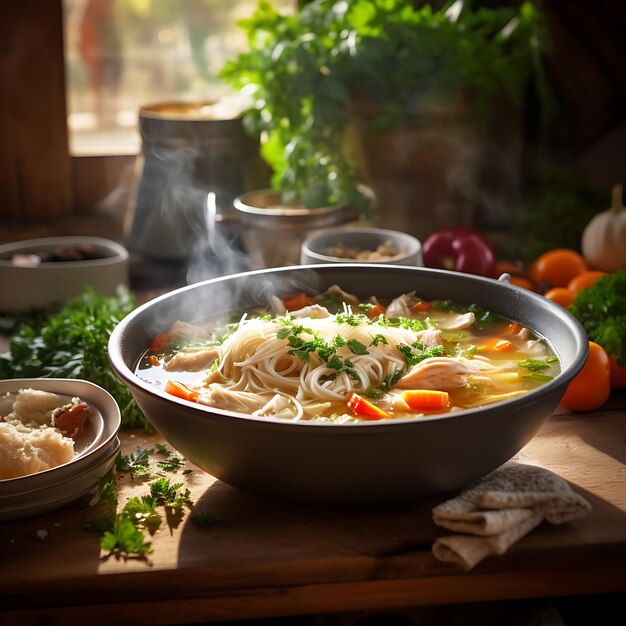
(96,448)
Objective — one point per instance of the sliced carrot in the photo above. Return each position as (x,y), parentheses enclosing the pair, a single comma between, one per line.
(512,329)
(375,311)
(297,301)
(154,361)
(160,341)
(497,345)
(419,399)
(421,306)
(181,391)
(368,411)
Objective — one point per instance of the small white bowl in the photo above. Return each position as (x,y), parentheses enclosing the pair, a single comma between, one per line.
(317,247)
(96,448)
(27,287)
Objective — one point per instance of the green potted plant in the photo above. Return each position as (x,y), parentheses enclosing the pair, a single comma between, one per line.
(381,62)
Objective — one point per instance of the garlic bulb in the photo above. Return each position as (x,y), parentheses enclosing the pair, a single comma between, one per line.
(604,237)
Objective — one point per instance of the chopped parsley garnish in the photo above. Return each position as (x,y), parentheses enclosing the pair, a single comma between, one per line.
(402,322)
(385,386)
(365,306)
(124,537)
(414,354)
(484,319)
(142,510)
(136,463)
(534,365)
(171,464)
(356,347)
(376,339)
(536,377)
(170,494)
(352,319)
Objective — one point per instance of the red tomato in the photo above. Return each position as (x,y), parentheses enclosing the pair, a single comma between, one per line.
(591,387)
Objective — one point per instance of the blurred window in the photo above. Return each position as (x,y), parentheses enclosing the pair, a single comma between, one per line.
(122,54)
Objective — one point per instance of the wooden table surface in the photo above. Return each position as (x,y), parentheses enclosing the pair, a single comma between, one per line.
(264,558)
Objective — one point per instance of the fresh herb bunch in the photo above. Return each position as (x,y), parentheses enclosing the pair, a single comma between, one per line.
(304,70)
(601,309)
(72,342)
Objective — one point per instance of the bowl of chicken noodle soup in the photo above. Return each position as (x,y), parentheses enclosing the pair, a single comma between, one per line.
(348,383)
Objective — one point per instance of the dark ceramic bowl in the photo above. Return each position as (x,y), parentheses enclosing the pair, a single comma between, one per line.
(351,463)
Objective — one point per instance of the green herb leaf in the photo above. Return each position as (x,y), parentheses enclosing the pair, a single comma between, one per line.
(535,377)
(170,494)
(72,343)
(356,347)
(534,365)
(124,537)
(601,310)
(137,463)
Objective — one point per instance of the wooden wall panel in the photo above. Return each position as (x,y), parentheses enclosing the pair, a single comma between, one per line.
(34,155)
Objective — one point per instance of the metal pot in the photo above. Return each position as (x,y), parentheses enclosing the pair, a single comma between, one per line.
(272,232)
(188,151)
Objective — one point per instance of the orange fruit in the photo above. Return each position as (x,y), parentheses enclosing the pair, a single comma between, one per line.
(617,373)
(591,387)
(585,280)
(557,267)
(520,281)
(561,295)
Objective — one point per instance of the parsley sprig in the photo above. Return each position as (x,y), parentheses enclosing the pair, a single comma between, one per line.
(415,353)
(71,342)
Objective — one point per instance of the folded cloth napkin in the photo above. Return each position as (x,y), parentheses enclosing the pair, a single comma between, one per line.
(500,509)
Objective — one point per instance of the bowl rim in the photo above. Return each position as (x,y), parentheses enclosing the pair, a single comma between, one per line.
(413,244)
(129,378)
(120,253)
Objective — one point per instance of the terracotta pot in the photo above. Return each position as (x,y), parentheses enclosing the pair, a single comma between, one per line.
(430,172)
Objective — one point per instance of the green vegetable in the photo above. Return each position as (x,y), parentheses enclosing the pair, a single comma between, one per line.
(170,494)
(601,309)
(413,357)
(142,510)
(304,71)
(72,343)
(171,464)
(535,377)
(137,462)
(534,365)
(124,537)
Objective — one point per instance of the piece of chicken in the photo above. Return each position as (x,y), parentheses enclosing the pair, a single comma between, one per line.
(314,310)
(223,398)
(458,322)
(401,306)
(191,361)
(441,372)
(430,337)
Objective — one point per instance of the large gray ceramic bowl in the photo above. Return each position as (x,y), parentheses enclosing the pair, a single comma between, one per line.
(351,463)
